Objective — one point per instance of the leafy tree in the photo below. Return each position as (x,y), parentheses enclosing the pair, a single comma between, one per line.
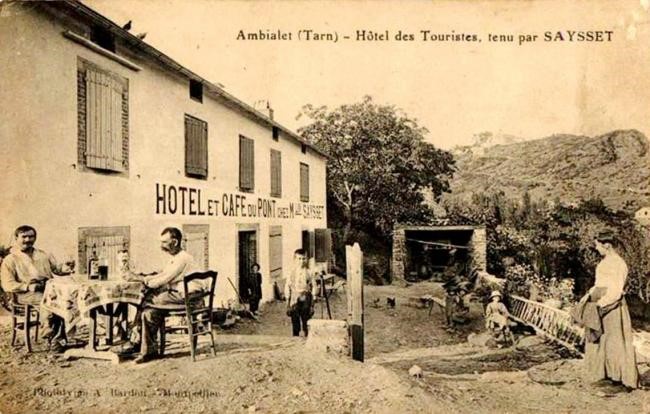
(379,165)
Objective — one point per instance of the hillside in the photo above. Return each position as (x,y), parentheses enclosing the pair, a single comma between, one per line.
(614,167)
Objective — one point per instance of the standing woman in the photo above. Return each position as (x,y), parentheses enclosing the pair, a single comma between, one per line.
(612,355)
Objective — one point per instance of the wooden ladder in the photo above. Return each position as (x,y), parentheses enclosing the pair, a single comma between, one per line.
(553,323)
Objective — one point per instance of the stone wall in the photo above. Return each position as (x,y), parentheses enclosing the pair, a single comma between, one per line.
(398,259)
(479,248)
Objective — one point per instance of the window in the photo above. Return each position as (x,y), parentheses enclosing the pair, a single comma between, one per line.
(246,164)
(303,148)
(196,239)
(275,252)
(103,118)
(276,173)
(196,90)
(105,242)
(304,182)
(196,147)
(323,241)
(103,37)
(276,133)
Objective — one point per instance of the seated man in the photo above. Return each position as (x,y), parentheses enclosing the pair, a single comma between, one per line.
(165,288)
(25,271)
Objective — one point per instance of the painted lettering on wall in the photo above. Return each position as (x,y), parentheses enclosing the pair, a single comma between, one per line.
(187,201)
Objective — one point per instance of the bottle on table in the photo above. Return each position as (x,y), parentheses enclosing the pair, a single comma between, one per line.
(93,265)
(103,265)
(69,263)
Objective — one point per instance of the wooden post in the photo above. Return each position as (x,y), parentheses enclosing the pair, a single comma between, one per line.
(354,267)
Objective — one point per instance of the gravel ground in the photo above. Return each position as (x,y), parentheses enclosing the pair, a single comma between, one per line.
(260,368)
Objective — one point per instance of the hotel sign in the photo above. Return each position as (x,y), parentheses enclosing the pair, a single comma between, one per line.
(188,201)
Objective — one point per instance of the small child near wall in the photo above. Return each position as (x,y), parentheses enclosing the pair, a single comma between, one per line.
(496,318)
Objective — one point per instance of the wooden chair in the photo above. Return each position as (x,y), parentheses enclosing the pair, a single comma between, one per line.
(23,318)
(197,314)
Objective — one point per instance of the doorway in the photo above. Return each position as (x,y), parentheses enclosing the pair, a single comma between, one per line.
(247,256)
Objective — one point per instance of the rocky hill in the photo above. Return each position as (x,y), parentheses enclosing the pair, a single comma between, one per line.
(614,167)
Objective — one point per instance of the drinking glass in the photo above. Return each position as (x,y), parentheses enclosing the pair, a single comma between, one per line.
(69,262)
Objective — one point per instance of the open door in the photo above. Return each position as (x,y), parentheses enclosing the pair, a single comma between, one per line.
(247,256)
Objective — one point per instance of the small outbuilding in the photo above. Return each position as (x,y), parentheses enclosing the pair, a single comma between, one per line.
(426,251)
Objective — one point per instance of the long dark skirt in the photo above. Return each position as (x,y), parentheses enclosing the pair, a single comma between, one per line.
(612,356)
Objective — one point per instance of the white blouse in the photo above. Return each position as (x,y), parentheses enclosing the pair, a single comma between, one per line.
(611,274)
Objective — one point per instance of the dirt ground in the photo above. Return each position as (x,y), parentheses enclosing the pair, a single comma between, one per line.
(260,368)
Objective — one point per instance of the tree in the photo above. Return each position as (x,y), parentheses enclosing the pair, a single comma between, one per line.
(379,164)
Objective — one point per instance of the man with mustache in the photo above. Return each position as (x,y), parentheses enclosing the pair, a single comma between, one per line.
(25,271)
(165,288)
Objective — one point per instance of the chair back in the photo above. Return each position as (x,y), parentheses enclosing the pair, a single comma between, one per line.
(13,302)
(191,297)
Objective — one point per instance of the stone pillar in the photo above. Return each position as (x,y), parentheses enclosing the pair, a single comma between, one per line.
(479,248)
(328,336)
(398,258)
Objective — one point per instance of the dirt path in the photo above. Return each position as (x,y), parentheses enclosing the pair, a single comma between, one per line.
(260,368)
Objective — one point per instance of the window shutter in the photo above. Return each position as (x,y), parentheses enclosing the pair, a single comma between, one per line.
(246,164)
(93,129)
(195,246)
(196,147)
(304,182)
(307,243)
(323,245)
(103,121)
(116,160)
(275,252)
(197,237)
(106,241)
(276,173)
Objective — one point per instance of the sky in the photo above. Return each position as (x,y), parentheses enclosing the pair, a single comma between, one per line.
(454,89)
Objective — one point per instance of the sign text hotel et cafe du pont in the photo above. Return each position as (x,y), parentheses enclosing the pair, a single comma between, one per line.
(182,200)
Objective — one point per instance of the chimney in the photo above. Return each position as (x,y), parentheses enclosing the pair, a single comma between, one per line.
(269,109)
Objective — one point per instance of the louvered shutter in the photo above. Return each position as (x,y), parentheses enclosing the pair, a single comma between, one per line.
(323,245)
(308,243)
(275,252)
(103,121)
(105,241)
(196,147)
(304,182)
(107,247)
(246,164)
(276,173)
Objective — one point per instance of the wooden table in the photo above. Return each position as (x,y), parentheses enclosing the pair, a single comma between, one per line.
(77,300)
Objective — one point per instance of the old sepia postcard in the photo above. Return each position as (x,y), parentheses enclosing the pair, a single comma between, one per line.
(326,207)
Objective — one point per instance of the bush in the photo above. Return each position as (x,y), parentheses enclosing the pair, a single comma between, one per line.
(520,279)
(527,238)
